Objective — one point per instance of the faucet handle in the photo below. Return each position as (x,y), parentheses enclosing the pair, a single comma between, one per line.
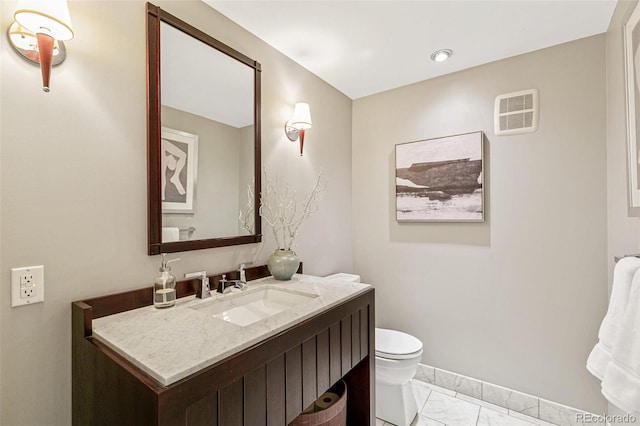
(241,271)
(204,290)
(222,283)
(201,274)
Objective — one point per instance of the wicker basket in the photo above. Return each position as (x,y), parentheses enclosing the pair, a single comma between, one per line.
(334,415)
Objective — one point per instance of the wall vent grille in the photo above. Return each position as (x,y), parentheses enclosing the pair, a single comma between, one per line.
(517,112)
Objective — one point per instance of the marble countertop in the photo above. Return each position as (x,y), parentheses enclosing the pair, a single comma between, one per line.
(170,344)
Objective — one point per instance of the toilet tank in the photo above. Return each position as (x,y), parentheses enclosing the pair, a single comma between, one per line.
(347,277)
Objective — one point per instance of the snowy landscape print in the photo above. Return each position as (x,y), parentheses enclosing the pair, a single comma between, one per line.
(440,179)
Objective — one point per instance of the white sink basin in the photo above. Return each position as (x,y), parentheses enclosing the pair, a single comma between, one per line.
(254,304)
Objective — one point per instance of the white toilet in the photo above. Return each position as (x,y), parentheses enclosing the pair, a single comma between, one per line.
(397,357)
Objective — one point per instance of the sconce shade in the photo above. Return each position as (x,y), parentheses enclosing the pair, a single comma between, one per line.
(301,119)
(49,17)
(49,20)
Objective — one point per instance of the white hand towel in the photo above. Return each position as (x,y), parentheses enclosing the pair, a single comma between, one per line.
(170,234)
(600,356)
(621,382)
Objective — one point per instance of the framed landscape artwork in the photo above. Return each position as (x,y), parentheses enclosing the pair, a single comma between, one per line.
(179,162)
(440,180)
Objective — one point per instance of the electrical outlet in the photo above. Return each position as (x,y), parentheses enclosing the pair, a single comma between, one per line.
(27,285)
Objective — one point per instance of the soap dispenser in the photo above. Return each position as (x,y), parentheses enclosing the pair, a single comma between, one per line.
(164,289)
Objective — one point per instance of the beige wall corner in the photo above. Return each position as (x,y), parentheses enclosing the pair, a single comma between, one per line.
(516,300)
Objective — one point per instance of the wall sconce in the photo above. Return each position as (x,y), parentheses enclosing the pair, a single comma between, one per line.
(300,121)
(38,31)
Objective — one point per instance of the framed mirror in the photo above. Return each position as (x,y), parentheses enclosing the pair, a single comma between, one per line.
(203,147)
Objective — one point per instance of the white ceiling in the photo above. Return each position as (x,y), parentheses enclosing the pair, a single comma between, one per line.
(365,47)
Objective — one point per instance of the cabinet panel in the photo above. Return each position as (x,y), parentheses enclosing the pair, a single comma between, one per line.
(293,380)
(335,351)
(322,361)
(276,392)
(309,373)
(355,338)
(231,401)
(364,333)
(204,412)
(130,399)
(345,330)
(255,397)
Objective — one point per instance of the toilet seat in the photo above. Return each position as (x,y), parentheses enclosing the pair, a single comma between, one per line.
(398,356)
(393,344)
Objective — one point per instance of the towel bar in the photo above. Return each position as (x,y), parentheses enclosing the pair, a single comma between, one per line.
(617,258)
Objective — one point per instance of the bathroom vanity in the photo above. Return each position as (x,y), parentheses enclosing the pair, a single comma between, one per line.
(213,362)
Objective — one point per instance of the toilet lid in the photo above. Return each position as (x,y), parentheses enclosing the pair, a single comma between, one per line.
(396,344)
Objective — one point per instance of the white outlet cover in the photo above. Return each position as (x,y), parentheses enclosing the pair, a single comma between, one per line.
(37,272)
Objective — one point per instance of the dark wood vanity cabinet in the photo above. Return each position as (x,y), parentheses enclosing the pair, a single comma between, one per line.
(269,383)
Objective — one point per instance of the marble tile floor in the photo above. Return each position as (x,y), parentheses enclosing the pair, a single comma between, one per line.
(442,407)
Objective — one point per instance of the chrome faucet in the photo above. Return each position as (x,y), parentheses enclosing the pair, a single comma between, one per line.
(240,283)
(204,290)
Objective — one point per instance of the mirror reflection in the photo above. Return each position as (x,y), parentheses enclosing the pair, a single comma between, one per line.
(203,138)
(207,146)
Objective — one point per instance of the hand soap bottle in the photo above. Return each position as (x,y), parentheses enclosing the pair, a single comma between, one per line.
(164,289)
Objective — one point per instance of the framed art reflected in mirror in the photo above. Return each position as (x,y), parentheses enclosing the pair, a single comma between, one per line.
(178,170)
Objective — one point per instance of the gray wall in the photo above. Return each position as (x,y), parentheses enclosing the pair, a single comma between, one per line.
(73,175)
(516,300)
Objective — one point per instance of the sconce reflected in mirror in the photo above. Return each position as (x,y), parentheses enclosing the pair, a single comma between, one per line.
(38,31)
(300,121)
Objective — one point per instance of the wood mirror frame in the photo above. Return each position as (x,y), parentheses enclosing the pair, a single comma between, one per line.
(155,15)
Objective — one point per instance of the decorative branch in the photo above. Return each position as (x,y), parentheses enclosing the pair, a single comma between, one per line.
(247,219)
(281,211)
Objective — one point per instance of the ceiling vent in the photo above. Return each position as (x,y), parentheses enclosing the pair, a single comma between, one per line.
(517,112)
